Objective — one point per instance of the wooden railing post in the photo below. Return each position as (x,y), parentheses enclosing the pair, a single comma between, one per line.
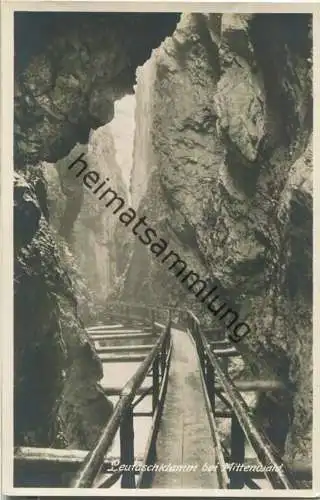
(163,353)
(225,364)
(202,356)
(163,356)
(210,381)
(237,456)
(165,349)
(155,383)
(127,448)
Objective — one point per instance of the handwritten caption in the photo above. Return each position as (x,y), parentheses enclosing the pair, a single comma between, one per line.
(206,467)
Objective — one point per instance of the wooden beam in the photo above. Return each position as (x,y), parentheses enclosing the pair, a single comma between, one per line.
(237,453)
(227,352)
(95,335)
(116,390)
(255,385)
(223,413)
(66,460)
(65,456)
(118,358)
(104,327)
(143,414)
(220,343)
(118,336)
(127,327)
(122,348)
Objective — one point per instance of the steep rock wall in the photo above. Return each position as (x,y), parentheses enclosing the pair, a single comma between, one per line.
(95,239)
(69,70)
(231,140)
(142,150)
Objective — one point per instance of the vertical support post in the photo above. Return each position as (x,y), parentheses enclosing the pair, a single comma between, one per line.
(163,356)
(237,477)
(210,381)
(225,364)
(127,448)
(201,352)
(195,333)
(155,383)
(165,349)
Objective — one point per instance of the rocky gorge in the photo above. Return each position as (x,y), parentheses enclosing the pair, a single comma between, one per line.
(222,168)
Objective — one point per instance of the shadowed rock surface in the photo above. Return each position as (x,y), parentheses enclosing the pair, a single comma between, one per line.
(57,401)
(70,68)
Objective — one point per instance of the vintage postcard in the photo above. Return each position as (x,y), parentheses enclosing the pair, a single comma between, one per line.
(157,266)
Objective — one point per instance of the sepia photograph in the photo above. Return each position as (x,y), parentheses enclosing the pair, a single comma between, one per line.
(162,252)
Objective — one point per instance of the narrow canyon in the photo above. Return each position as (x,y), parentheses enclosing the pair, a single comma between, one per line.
(217,156)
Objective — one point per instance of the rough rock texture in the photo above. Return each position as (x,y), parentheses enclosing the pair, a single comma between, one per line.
(96,239)
(69,70)
(232,192)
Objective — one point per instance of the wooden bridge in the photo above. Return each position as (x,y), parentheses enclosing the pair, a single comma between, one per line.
(172,391)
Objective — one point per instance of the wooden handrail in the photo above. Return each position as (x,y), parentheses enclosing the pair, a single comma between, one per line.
(262,447)
(88,471)
(254,385)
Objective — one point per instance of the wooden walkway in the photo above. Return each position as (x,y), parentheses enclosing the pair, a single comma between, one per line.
(153,374)
(184,436)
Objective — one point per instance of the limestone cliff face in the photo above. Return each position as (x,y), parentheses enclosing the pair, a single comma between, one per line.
(69,70)
(143,160)
(232,191)
(96,240)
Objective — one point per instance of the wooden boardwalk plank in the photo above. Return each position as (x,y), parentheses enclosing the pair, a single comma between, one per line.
(104,327)
(97,333)
(124,349)
(122,358)
(122,336)
(184,436)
